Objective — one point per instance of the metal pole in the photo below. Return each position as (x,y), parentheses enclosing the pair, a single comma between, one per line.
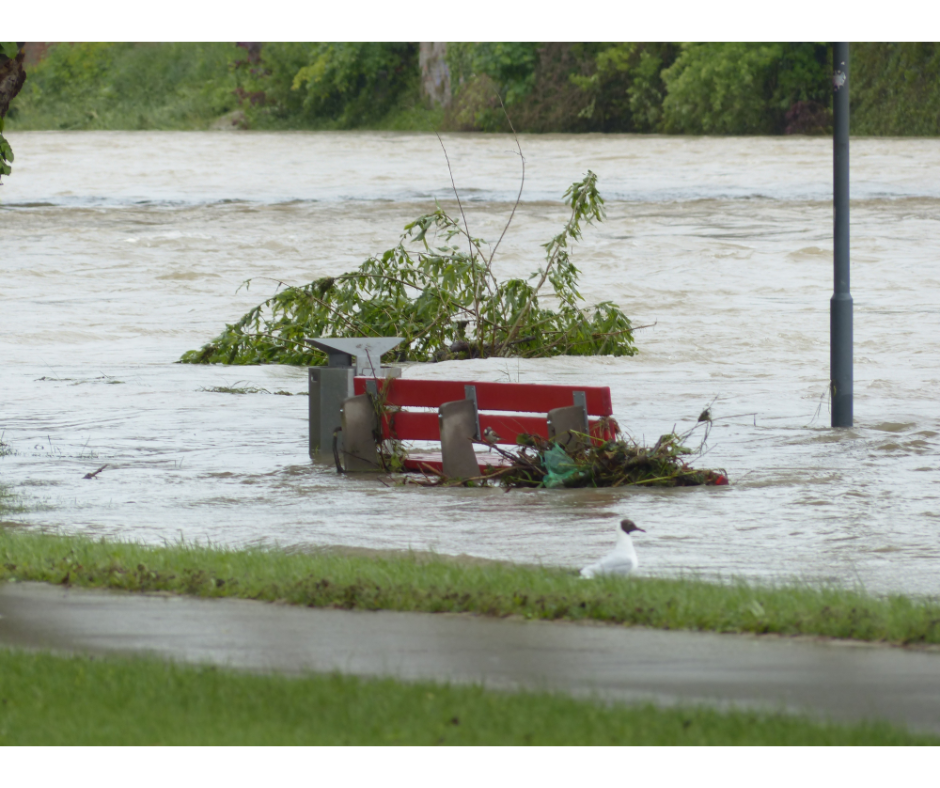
(840,305)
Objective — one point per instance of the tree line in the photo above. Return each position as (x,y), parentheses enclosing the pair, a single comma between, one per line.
(673,88)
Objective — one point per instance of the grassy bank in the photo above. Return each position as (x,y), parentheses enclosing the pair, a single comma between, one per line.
(60,700)
(411,582)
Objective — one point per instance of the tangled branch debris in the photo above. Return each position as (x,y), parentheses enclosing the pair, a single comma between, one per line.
(620,462)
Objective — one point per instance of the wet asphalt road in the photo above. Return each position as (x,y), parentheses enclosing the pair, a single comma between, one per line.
(839,681)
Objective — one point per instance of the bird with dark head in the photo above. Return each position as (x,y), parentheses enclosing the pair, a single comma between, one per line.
(622,559)
(627,525)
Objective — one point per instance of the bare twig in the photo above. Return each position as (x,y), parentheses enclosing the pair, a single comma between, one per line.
(735,416)
(281,282)
(515,205)
(489,263)
(473,269)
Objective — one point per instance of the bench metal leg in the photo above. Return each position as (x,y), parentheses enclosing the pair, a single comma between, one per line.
(359,450)
(564,422)
(328,388)
(458,421)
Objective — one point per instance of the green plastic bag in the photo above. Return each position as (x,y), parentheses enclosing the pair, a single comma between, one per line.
(562,470)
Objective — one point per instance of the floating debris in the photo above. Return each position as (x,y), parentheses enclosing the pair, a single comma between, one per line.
(250,390)
(620,462)
(94,474)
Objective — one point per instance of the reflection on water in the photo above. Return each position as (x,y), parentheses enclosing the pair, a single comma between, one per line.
(119,251)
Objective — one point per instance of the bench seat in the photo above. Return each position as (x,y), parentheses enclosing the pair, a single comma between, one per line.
(433,462)
(509,409)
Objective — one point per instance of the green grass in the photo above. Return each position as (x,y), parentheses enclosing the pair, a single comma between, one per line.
(79,700)
(412,582)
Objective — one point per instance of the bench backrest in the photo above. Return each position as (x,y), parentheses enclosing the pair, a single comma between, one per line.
(507,398)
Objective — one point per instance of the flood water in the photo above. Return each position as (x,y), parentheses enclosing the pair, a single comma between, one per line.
(121,250)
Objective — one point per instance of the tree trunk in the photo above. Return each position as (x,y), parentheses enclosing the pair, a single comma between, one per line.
(12,77)
(435,74)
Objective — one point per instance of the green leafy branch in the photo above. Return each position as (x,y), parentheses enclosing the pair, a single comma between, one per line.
(441,297)
(11,80)
(6,153)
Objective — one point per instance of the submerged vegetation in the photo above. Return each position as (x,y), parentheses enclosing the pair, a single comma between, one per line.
(437,289)
(647,87)
(236,389)
(586,461)
(620,462)
(8,501)
(438,584)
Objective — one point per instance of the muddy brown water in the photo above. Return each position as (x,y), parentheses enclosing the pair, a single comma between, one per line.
(121,250)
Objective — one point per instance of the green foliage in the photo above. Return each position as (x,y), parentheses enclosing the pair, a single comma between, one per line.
(511,65)
(616,462)
(74,70)
(701,88)
(626,86)
(894,89)
(647,88)
(128,86)
(719,89)
(436,289)
(533,81)
(640,87)
(742,88)
(6,153)
(8,51)
(328,85)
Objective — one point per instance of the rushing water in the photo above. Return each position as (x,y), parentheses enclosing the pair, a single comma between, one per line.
(119,251)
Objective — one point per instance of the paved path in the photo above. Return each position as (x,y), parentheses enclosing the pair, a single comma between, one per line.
(836,680)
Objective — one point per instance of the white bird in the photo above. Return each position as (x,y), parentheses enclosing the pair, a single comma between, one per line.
(622,559)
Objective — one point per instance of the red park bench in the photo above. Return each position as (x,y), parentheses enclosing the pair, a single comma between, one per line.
(458,413)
